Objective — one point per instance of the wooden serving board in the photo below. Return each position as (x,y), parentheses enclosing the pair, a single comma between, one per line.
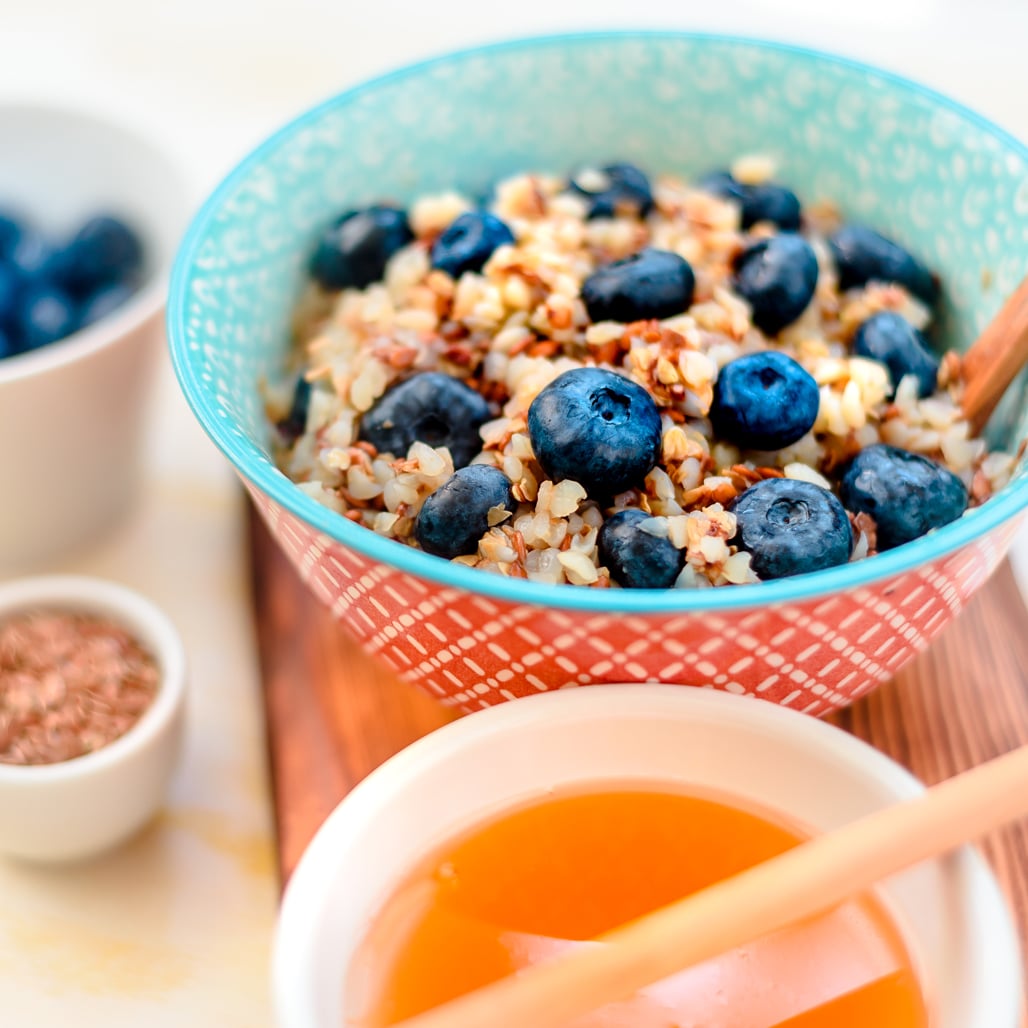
(334,714)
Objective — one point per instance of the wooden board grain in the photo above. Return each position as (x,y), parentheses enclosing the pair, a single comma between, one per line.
(334,714)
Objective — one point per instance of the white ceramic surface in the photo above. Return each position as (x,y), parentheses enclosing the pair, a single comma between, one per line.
(957,928)
(80,807)
(71,414)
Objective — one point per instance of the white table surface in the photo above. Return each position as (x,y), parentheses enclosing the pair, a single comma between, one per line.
(174,929)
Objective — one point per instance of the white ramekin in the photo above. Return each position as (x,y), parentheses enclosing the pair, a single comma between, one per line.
(957,927)
(78,808)
(73,414)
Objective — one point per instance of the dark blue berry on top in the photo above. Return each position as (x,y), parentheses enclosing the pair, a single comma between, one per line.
(46,313)
(106,300)
(468,242)
(891,339)
(34,256)
(767,201)
(431,408)
(456,516)
(638,559)
(764,401)
(294,424)
(777,277)
(10,232)
(648,284)
(353,252)
(597,428)
(790,527)
(906,494)
(863,255)
(11,283)
(626,192)
(7,344)
(103,252)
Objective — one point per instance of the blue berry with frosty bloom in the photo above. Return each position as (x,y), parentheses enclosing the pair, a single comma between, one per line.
(597,428)
(431,408)
(615,190)
(354,250)
(764,401)
(765,201)
(905,493)
(790,527)
(46,314)
(648,284)
(777,277)
(891,340)
(863,255)
(104,251)
(456,516)
(637,558)
(468,242)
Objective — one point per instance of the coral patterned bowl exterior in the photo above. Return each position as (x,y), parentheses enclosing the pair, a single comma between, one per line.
(943,181)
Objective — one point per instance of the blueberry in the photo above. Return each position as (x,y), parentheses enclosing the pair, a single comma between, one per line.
(34,256)
(432,408)
(10,233)
(627,191)
(10,289)
(294,424)
(104,250)
(354,250)
(764,401)
(906,494)
(468,242)
(46,314)
(7,344)
(104,301)
(457,514)
(777,277)
(892,340)
(767,201)
(637,559)
(790,527)
(595,427)
(863,255)
(648,284)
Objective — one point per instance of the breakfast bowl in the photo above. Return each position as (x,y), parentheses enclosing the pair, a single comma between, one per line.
(949,911)
(66,795)
(74,395)
(941,180)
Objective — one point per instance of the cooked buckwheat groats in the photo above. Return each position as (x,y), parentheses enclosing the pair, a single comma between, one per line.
(709,356)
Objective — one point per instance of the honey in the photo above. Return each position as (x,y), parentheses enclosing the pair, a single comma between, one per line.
(558,873)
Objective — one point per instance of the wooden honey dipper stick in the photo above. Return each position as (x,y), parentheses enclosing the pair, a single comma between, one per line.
(995,358)
(802,882)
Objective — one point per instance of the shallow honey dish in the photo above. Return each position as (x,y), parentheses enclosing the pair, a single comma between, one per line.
(333,938)
(939,179)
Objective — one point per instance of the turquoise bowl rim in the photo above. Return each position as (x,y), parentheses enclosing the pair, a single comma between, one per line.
(266,478)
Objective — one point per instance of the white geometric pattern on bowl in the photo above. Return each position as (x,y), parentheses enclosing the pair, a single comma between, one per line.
(472,652)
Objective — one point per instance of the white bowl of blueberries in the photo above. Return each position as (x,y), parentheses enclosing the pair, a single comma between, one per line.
(90,214)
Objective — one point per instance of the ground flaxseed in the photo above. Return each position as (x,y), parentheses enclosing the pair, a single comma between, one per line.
(70,683)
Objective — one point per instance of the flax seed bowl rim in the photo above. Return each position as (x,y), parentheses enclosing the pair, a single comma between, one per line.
(145,622)
(255,466)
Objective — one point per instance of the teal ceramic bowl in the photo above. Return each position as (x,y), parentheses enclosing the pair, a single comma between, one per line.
(937,177)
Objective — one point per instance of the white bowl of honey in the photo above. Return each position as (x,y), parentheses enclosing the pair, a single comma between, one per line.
(531,828)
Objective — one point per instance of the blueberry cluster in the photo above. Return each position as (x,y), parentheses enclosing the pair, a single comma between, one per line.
(49,289)
(596,426)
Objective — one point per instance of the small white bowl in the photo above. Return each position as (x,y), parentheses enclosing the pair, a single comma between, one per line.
(951,911)
(72,414)
(80,807)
